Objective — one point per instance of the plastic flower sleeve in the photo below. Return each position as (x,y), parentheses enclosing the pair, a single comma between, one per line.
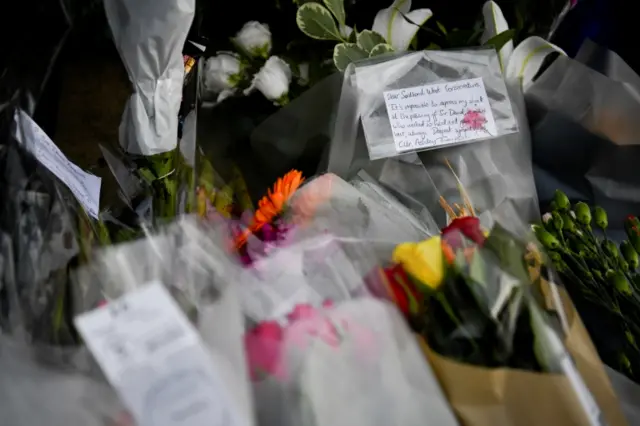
(421,219)
(394,100)
(497,173)
(149,36)
(585,131)
(299,131)
(355,363)
(187,258)
(33,393)
(332,235)
(307,271)
(629,394)
(329,203)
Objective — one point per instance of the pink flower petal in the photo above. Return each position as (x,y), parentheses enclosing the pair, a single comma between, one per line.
(268,330)
(263,347)
(302,311)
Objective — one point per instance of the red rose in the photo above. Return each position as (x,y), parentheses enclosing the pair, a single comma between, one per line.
(467,226)
(404,295)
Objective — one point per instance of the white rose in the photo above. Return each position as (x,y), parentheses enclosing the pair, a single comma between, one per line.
(272,80)
(222,73)
(255,39)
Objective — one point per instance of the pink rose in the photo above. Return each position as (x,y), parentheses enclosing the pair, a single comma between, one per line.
(263,346)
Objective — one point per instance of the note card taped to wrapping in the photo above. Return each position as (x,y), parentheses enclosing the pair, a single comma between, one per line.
(155,360)
(84,186)
(441,114)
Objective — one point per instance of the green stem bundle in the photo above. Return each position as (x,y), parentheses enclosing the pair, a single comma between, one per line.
(598,273)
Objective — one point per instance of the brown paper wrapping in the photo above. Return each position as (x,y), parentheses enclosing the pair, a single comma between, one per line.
(496,397)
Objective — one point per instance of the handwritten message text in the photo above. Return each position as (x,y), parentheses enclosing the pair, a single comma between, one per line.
(439,114)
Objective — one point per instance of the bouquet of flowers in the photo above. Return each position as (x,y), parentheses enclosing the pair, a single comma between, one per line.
(601,276)
(343,364)
(485,307)
(189,260)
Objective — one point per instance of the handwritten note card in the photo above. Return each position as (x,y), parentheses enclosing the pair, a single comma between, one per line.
(439,114)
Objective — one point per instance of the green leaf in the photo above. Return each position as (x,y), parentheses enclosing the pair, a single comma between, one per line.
(441,27)
(509,252)
(337,8)
(316,21)
(501,39)
(477,269)
(380,49)
(353,37)
(346,53)
(368,39)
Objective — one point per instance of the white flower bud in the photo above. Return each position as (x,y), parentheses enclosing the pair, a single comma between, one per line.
(222,73)
(272,80)
(546,217)
(255,39)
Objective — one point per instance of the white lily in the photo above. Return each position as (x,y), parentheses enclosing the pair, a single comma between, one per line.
(395,29)
(272,80)
(527,59)
(494,24)
(222,74)
(255,39)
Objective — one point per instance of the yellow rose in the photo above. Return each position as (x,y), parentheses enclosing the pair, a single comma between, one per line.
(423,261)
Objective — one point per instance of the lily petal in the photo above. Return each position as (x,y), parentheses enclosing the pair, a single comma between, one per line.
(403,6)
(494,24)
(384,20)
(526,60)
(403,32)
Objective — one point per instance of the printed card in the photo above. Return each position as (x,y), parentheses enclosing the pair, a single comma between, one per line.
(156,361)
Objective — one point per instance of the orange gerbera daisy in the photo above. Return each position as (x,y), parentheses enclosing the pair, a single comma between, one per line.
(272,204)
